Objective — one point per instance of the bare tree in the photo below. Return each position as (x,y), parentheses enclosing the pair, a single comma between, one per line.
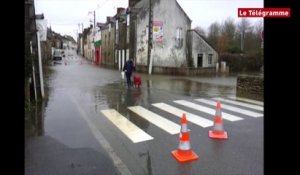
(243,26)
(252,37)
(201,31)
(227,35)
(222,43)
(258,26)
(213,33)
(229,28)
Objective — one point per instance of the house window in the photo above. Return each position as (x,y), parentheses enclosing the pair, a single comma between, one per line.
(128,19)
(117,24)
(210,58)
(127,35)
(179,39)
(117,37)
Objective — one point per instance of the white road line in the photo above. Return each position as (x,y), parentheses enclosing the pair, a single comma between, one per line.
(232,108)
(134,133)
(248,100)
(157,120)
(118,163)
(189,116)
(207,110)
(260,108)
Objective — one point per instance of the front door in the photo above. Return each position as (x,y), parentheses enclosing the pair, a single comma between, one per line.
(200,60)
(97,56)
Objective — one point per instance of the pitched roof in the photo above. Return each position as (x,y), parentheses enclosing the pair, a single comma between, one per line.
(70,38)
(145,4)
(183,11)
(202,37)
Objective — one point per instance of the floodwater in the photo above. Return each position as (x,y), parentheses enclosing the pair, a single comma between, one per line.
(104,88)
(74,87)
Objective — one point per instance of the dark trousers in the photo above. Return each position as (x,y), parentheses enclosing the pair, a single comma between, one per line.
(128,77)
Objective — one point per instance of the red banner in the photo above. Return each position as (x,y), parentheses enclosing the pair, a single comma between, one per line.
(264,12)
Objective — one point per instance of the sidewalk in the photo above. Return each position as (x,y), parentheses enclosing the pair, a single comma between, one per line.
(59,142)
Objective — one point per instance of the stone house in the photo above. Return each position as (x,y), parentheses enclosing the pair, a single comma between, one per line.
(173,44)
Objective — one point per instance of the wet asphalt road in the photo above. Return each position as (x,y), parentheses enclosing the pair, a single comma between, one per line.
(78,88)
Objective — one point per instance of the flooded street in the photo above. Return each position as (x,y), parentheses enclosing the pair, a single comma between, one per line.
(62,137)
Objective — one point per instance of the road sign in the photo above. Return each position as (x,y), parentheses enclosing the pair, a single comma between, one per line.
(41,26)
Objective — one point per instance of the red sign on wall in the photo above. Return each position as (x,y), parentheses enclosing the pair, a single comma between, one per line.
(158,31)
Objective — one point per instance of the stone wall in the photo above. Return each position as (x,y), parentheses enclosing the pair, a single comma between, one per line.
(250,86)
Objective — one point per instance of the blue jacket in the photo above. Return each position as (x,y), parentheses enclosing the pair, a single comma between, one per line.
(129,67)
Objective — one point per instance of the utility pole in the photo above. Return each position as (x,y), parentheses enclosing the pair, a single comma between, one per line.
(94,19)
(242,40)
(40,64)
(150,25)
(78,40)
(82,41)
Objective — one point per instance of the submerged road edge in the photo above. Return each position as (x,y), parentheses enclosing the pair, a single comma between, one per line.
(118,163)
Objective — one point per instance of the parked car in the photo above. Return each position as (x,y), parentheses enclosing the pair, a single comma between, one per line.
(57,55)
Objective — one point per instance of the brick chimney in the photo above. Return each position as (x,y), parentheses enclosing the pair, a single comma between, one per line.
(133,2)
(108,19)
(120,9)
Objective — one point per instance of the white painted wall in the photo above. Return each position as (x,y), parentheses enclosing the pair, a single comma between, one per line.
(98,35)
(200,46)
(81,46)
(165,54)
(90,49)
(142,38)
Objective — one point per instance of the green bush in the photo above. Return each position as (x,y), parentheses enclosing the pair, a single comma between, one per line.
(234,49)
(243,62)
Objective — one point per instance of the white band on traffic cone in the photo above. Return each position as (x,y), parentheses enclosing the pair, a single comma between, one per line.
(184,145)
(184,128)
(218,127)
(218,112)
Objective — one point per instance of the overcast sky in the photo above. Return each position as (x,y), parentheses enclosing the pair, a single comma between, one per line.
(65,15)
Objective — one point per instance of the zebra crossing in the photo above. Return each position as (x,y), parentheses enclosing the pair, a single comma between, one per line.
(133,132)
(156,119)
(247,100)
(198,120)
(241,111)
(207,110)
(260,108)
(232,108)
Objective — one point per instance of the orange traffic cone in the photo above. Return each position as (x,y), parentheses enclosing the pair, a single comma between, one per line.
(218,130)
(184,153)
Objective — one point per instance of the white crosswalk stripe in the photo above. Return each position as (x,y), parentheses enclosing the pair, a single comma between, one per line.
(260,108)
(203,122)
(248,100)
(134,133)
(157,120)
(232,108)
(207,110)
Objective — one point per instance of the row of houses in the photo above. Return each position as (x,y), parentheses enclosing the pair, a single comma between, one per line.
(157,36)
(38,36)
(56,41)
